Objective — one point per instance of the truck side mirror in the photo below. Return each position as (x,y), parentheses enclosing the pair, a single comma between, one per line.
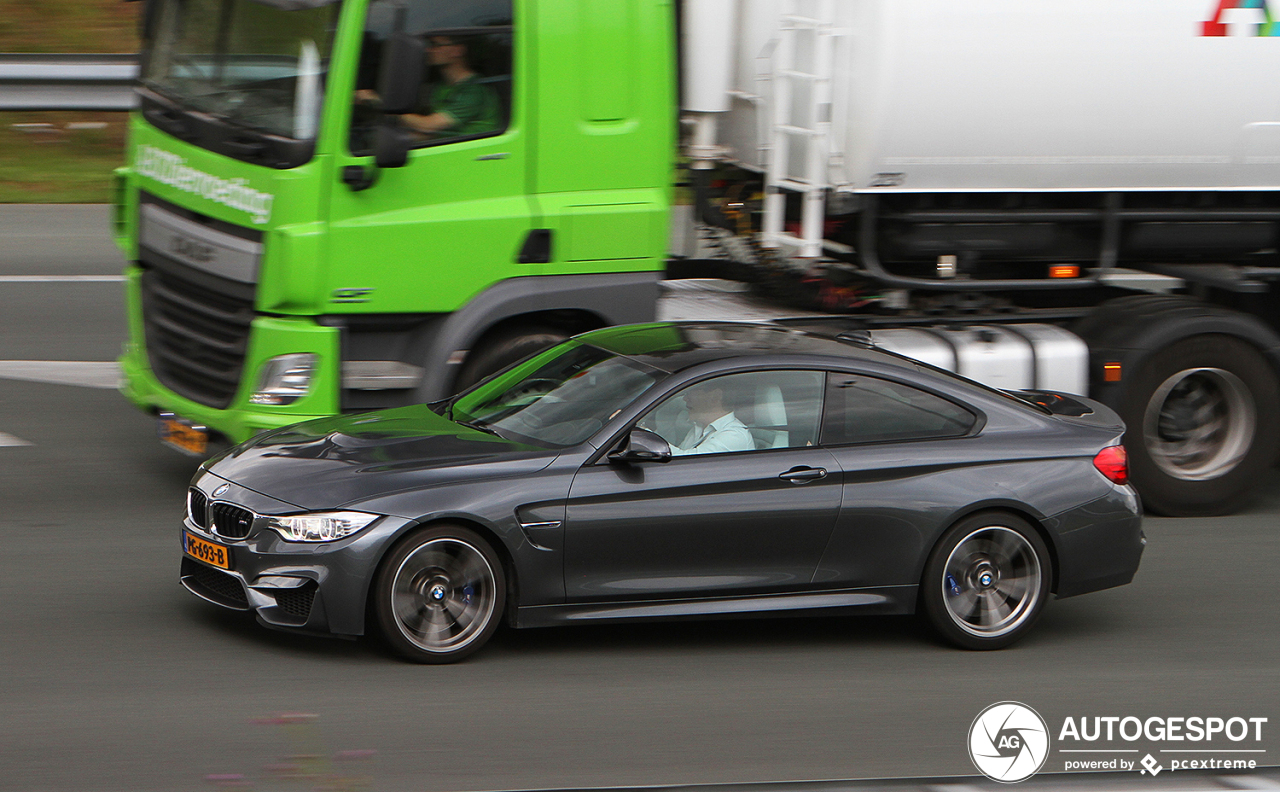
(642,446)
(391,145)
(400,75)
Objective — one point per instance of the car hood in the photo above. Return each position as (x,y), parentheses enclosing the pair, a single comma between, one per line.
(334,462)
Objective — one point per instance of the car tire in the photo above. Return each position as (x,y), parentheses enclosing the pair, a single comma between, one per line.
(1198,437)
(986,581)
(439,595)
(504,348)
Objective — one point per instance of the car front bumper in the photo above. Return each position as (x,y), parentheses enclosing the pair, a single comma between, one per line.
(314,587)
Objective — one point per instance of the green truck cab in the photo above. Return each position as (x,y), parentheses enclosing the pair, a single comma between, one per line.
(318,218)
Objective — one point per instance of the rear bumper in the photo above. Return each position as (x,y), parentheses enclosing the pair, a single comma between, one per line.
(1099,545)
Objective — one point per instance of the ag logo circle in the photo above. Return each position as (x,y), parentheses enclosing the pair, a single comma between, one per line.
(1008,742)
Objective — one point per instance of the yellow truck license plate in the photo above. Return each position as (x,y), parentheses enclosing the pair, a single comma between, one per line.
(184,436)
(207,552)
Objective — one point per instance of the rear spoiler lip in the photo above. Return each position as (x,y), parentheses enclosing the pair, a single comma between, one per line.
(1074,409)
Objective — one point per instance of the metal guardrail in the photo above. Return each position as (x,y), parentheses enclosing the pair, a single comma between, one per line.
(30,81)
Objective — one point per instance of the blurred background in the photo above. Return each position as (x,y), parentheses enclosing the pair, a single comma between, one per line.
(63,157)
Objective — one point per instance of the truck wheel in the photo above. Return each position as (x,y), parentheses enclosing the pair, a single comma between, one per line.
(504,348)
(1196,436)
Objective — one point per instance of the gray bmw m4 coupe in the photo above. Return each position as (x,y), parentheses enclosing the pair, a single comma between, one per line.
(672,471)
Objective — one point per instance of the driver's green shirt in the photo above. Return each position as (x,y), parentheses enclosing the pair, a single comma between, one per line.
(472,105)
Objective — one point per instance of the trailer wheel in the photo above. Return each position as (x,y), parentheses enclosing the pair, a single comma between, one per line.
(503,348)
(1198,435)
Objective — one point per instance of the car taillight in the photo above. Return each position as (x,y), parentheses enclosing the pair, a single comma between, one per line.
(1113,463)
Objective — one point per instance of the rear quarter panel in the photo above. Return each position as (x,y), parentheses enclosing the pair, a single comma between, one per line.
(899,498)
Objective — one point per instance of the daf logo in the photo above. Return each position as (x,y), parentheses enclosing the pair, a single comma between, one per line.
(1009,742)
(220,491)
(351,295)
(187,248)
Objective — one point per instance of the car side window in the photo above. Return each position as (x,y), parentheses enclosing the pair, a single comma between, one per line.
(749,411)
(862,409)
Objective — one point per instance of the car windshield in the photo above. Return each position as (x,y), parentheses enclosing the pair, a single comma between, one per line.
(558,398)
(260,64)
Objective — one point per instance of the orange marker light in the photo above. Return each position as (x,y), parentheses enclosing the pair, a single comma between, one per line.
(1064,271)
(1111,372)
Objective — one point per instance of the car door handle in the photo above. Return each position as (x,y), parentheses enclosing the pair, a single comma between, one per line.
(800,475)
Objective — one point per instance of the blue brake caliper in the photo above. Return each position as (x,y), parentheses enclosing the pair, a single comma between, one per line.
(953,588)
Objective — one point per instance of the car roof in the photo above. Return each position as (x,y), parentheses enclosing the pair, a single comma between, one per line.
(675,346)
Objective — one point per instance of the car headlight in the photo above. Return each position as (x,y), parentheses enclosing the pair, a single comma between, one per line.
(284,379)
(319,527)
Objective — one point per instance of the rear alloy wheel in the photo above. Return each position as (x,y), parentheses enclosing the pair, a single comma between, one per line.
(439,595)
(1197,442)
(986,581)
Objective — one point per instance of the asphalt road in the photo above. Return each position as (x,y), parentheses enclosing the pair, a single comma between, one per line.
(114,678)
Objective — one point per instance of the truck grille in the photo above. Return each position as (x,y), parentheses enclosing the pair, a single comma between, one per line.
(231,521)
(196,337)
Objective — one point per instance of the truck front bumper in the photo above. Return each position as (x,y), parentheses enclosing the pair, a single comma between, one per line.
(240,420)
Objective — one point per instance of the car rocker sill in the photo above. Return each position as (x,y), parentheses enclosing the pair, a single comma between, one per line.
(884,599)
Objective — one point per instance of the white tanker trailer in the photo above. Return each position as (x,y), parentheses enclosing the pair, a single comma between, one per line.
(1107,166)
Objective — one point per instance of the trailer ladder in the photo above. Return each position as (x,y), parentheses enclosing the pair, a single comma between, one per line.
(801,114)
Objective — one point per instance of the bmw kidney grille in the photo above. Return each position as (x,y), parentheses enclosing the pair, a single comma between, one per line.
(224,519)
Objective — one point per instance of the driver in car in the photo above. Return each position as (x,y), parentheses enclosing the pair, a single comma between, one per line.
(715,427)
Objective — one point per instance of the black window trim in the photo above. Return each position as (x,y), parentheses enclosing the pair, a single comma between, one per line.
(979,416)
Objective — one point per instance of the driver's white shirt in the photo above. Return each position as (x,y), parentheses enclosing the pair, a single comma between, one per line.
(725,433)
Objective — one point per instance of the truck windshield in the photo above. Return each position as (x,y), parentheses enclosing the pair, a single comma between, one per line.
(259,64)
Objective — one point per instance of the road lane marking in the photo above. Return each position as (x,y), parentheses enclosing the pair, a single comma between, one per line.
(82,373)
(61,278)
(7,440)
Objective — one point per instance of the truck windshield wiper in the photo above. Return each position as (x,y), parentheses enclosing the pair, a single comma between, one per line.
(481,427)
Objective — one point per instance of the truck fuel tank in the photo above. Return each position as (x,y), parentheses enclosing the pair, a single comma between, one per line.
(1010,357)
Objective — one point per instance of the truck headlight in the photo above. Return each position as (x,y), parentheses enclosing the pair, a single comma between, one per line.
(284,379)
(320,526)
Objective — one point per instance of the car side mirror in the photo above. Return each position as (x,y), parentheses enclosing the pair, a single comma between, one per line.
(401,74)
(642,446)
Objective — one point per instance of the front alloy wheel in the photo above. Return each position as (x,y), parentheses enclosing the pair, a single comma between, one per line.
(439,595)
(986,581)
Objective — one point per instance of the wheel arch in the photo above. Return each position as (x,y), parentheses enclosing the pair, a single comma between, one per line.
(484,531)
(589,300)
(1130,330)
(1019,510)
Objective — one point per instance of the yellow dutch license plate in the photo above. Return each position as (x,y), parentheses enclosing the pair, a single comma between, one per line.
(208,552)
(184,436)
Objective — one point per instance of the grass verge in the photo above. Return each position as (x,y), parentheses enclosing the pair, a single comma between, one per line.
(55,157)
(63,162)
